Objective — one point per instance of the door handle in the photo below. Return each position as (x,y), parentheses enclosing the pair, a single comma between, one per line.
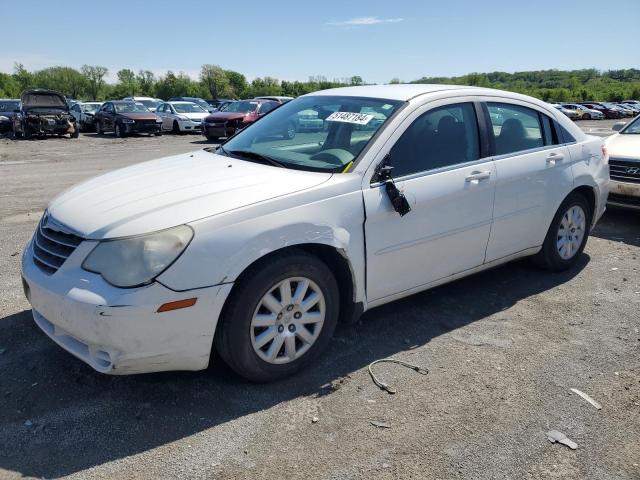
(477,176)
(555,157)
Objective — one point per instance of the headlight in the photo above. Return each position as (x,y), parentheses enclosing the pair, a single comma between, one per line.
(128,120)
(183,118)
(3,118)
(136,261)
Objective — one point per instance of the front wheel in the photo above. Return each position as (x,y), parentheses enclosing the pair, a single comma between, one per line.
(567,235)
(98,128)
(176,128)
(279,318)
(119,131)
(212,138)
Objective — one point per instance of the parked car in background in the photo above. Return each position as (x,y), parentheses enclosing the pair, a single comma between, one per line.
(44,112)
(635,103)
(624,164)
(571,113)
(84,114)
(8,109)
(585,112)
(181,117)
(219,103)
(198,100)
(632,106)
(610,112)
(238,115)
(123,117)
(628,110)
(276,98)
(149,102)
(259,248)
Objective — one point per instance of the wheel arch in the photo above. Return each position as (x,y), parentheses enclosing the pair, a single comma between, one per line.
(334,258)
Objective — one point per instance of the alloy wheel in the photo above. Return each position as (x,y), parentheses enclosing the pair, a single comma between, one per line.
(287,320)
(571,231)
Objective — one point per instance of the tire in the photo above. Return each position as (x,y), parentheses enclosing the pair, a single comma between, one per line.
(238,339)
(26,132)
(99,130)
(212,139)
(76,132)
(159,133)
(117,130)
(586,116)
(176,128)
(554,257)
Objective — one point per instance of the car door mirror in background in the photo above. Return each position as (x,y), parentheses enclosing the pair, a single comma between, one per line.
(618,126)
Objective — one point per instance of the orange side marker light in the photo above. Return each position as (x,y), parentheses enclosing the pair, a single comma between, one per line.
(178,304)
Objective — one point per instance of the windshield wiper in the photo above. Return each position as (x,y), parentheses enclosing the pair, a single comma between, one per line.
(250,155)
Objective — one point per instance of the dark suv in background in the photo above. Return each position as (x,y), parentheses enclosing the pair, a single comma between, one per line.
(123,117)
(44,112)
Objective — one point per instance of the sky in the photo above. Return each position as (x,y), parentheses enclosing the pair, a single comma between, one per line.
(292,40)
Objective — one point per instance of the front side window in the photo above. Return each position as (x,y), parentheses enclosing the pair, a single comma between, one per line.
(632,128)
(439,138)
(514,128)
(342,128)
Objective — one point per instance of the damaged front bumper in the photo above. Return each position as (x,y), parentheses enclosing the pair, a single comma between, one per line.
(624,194)
(120,331)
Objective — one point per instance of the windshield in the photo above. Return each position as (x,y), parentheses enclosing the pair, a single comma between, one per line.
(130,107)
(633,127)
(91,107)
(150,103)
(9,106)
(188,108)
(240,107)
(318,133)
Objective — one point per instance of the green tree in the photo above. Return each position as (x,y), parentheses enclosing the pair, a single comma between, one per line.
(9,87)
(23,78)
(95,79)
(356,80)
(214,79)
(127,83)
(237,84)
(146,80)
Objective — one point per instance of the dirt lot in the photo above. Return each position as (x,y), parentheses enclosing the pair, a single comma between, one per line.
(503,348)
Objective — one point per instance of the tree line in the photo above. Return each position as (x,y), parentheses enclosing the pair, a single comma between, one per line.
(89,83)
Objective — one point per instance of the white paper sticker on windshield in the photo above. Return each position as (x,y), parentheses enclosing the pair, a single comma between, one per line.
(350,117)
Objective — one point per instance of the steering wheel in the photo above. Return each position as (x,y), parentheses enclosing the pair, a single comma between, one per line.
(335,156)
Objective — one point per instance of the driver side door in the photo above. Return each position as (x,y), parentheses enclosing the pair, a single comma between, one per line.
(442,167)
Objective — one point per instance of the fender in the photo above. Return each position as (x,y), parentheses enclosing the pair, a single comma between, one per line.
(222,248)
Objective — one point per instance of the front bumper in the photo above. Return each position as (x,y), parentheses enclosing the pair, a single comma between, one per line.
(119,331)
(139,127)
(189,125)
(624,194)
(222,129)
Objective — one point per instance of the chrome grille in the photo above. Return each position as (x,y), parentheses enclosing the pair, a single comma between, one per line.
(52,245)
(624,170)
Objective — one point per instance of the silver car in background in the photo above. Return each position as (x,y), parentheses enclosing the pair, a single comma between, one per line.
(84,113)
(181,116)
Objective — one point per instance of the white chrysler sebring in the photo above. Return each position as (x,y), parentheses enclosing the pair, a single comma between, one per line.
(259,248)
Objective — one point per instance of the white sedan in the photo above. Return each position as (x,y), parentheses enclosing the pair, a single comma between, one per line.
(181,117)
(624,152)
(259,248)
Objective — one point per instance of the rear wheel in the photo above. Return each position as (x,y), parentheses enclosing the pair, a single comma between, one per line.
(586,116)
(567,235)
(279,318)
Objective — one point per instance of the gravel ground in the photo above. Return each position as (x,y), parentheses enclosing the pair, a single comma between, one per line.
(504,348)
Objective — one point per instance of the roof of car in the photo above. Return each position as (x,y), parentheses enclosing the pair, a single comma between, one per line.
(174,102)
(390,92)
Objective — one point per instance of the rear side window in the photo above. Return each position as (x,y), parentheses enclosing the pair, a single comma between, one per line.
(515,128)
(439,138)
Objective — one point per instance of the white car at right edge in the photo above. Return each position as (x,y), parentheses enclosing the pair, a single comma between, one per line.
(624,154)
(258,248)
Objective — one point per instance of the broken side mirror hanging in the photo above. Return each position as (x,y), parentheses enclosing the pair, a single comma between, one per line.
(397,198)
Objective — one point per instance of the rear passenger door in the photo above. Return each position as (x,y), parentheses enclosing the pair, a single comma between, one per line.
(440,165)
(533,177)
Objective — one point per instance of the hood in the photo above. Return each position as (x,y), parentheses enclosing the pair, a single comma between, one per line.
(624,145)
(171,191)
(43,99)
(195,115)
(225,116)
(139,115)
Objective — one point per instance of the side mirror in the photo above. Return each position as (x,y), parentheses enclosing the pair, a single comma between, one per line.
(397,198)
(618,126)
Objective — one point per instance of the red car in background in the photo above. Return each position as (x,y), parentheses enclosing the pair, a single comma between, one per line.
(236,116)
(607,111)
